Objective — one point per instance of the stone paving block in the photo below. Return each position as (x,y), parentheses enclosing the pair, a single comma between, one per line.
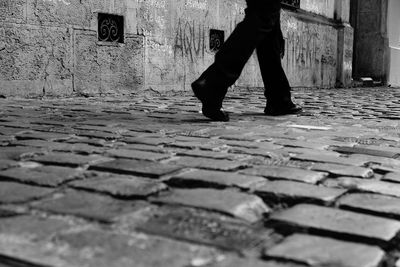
(301,143)
(18,152)
(249,262)
(286,173)
(6,164)
(11,192)
(288,190)
(367,151)
(89,141)
(318,251)
(205,154)
(241,205)
(60,147)
(136,154)
(204,178)
(147,140)
(194,226)
(135,167)
(28,135)
(210,164)
(6,139)
(69,159)
(122,186)
(31,227)
(372,203)
(342,170)
(392,177)
(372,186)
(303,150)
(47,145)
(258,152)
(375,159)
(340,222)
(88,205)
(317,157)
(142,147)
(96,247)
(100,135)
(84,149)
(44,175)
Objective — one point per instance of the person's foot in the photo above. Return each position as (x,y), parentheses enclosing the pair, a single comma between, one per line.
(211,105)
(282,109)
(215,114)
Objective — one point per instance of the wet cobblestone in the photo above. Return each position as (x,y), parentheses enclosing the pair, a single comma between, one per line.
(146,180)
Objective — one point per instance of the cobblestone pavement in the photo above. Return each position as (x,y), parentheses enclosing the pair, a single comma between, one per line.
(147,181)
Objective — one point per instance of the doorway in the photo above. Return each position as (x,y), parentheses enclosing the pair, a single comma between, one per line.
(371,43)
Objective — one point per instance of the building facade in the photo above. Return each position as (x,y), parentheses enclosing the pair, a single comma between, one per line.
(91,47)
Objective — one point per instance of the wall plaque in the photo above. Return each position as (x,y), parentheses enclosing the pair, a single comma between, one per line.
(217,39)
(110,28)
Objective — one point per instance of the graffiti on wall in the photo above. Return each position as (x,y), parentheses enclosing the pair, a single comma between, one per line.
(65,2)
(196,4)
(190,40)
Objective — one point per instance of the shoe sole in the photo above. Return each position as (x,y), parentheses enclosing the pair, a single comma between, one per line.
(293,112)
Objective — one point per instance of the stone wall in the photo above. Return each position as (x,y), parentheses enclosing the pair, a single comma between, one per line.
(394,42)
(51,47)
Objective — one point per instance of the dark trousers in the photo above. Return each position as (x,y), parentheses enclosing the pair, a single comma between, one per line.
(260,31)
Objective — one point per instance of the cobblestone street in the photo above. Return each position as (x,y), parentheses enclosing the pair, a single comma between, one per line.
(147,181)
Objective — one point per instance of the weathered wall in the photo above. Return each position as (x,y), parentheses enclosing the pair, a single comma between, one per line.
(51,46)
(394,42)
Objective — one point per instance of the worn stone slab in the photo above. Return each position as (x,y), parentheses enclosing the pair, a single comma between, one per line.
(374,159)
(18,152)
(205,178)
(209,164)
(367,151)
(392,177)
(288,190)
(203,228)
(104,248)
(250,262)
(31,227)
(44,175)
(342,170)
(205,154)
(319,251)
(143,147)
(372,203)
(136,167)
(241,205)
(88,205)
(257,152)
(340,222)
(28,135)
(6,164)
(122,186)
(301,143)
(286,173)
(317,157)
(11,192)
(69,159)
(136,154)
(372,186)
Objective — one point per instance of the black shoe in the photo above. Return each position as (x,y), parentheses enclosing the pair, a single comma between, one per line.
(215,114)
(283,109)
(211,104)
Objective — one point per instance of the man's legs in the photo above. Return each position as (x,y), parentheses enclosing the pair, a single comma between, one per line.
(211,87)
(277,88)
